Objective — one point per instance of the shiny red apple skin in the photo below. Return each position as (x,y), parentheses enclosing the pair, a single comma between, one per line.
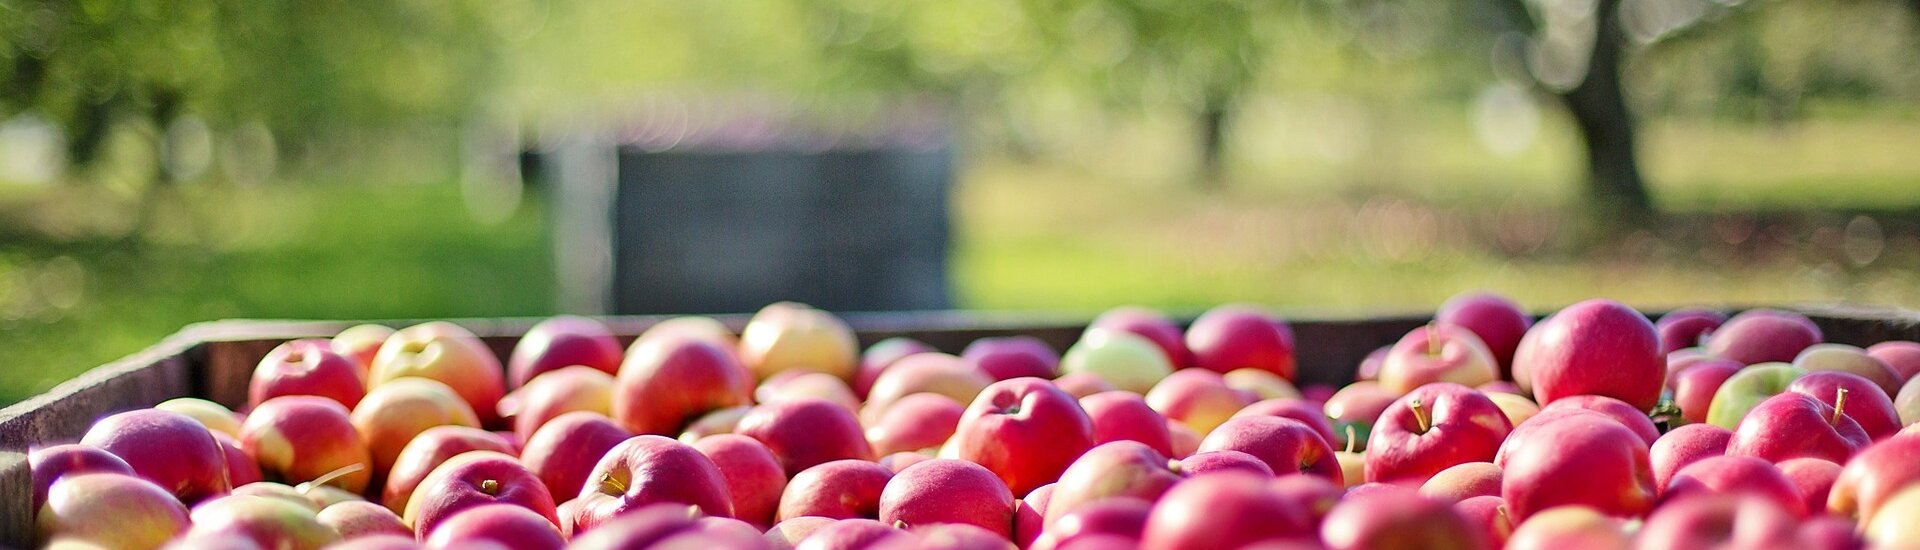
(1619,411)
(915,422)
(554,393)
(241,466)
(1583,458)
(473,479)
(1685,445)
(948,491)
(1739,475)
(427,451)
(1596,347)
(1794,425)
(508,525)
(1009,357)
(1489,515)
(647,470)
(1719,521)
(1454,425)
(307,367)
(1901,356)
(1498,322)
(806,432)
(108,509)
(298,438)
(1694,386)
(50,463)
(1220,461)
(1764,336)
(1401,520)
(1286,445)
(1812,479)
(1029,516)
(1686,327)
(170,449)
(1024,430)
(1149,324)
(842,489)
(1866,404)
(1463,481)
(1237,336)
(1873,476)
(564,452)
(1228,510)
(1126,416)
(755,480)
(1121,469)
(560,342)
(881,355)
(1301,410)
(667,382)
(1437,352)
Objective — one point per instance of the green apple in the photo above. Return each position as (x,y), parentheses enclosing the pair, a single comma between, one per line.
(1746,389)
(1126,360)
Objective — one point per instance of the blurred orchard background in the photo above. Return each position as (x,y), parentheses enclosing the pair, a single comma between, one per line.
(172,161)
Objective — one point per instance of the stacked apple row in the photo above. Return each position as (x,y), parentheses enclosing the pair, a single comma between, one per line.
(1595,428)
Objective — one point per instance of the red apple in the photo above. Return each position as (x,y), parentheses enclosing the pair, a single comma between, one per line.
(1012,357)
(299,438)
(1437,352)
(447,353)
(1742,475)
(1812,480)
(269,522)
(560,342)
(1686,327)
(1198,398)
(1286,445)
(900,461)
(427,452)
(1124,517)
(1794,425)
(1865,403)
(1149,324)
(841,489)
(1903,357)
(1121,469)
(1568,527)
(1185,442)
(1221,461)
(1314,494)
(395,412)
(1763,336)
(111,510)
(1402,520)
(307,367)
(1596,347)
(789,336)
(473,479)
(1125,416)
(642,527)
(508,525)
(241,466)
(1227,510)
(806,432)
(881,355)
(1685,445)
(1463,481)
(1873,476)
(915,422)
(1831,533)
(650,469)
(358,518)
(563,453)
(1433,428)
(1489,515)
(924,372)
(557,392)
(1634,419)
(1238,336)
(667,383)
(754,478)
(1694,386)
(947,491)
(1498,322)
(1718,521)
(360,343)
(1358,404)
(851,534)
(801,384)
(50,463)
(169,449)
(1024,430)
(1030,515)
(1301,410)
(1578,458)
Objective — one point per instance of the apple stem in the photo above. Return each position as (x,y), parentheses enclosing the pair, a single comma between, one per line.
(1420,416)
(1433,341)
(328,477)
(609,481)
(1839,404)
(490,486)
(1350,438)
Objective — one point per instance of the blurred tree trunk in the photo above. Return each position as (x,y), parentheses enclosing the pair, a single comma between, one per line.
(1213,142)
(1599,108)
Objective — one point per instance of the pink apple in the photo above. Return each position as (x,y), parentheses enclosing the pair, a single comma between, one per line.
(1812,479)
(1634,419)
(505,524)
(360,343)
(1121,469)
(722,421)
(1719,521)
(1695,385)
(1463,481)
(1437,352)
(1198,398)
(1489,515)
(1568,527)
(1831,533)
(242,468)
(1125,416)
(1685,445)
(790,336)
(395,412)
(1314,494)
(1763,336)
(1124,517)
(214,416)
(924,372)
(1236,336)
(474,479)
(900,461)
(667,383)
(557,392)
(1903,357)
(299,438)
(1864,402)
(1009,357)
(1369,368)
(169,449)
(650,469)
(1221,461)
(1497,321)
(307,367)
(642,527)
(806,432)
(564,452)
(1262,384)
(1358,404)
(1743,475)
(852,534)
(881,355)
(801,384)
(358,518)
(1404,519)
(561,342)
(1433,428)
(1029,516)
(1794,425)
(1082,384)
(1301,410)
(50,463)
(1849,359)
(1596,347)
(1579,458)
(447,353)
(1024,430)
(788,534)
(1873,476)
(1286,445)
(269,522)
(1149,324)
(915,422)
(841,489)
(427,452)
(754,478)
(948,491)
(1227,510)
(107,509)
(1686,327)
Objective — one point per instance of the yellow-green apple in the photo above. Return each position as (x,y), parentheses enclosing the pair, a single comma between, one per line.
(1812,479)
(1082,384)
(564,452)
(1489,515)
(1685,445)
(650,469)
(924,372)
(1353,466)
(214,416)
(1596,347)
(915,422)
(554,393)
(1433,428)
(560,342)
(277,490)
(1497,321)
(1121,469)
(508,525)
(841,489)
(1024,430)
(1288,446)
(1864,402)
(1686,327)
(1198,398)
(1746,389)
(881,355)
(1719,521)
(268,521)
(1873,476)
(1580,457)
(298,438)
(242,468)
(1737,475)
(1463,481)
(667,383)
(1358,405)
(447,353)
(1013,357)
(1849,359)
(1626,415)
(722,421)
(1149,324)
(307,367)
(1518,408)
(1902,356)
(1566,527)
(789,336)
(427,452)
(111,510)
(1236,336)
(1218,461)
(1125,416)
(1694,386)
(788,534)
(948,491)
(853,534)
(1029,516)
(1123,360)
(395,412)
(1125,517)
(471,479)
(361,343)
(1893,526)
(358,518)
(755,481)
(1437,352)
(1763,336)
(800,384)
(1794,425)
(1263,384)
(1228,510)
(50,463)
(1301,410)
(171,450)
(805,432)
(1401,519)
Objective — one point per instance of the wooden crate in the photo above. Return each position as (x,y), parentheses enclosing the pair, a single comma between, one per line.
(214,361)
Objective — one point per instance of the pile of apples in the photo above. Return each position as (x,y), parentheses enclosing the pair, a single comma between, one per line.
(1594,428)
